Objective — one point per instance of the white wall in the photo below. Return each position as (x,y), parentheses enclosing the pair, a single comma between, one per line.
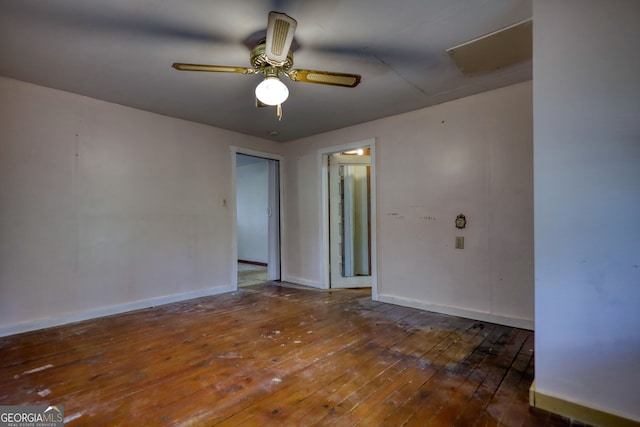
(470,156)
(587,202)
(106,208)
(252,189)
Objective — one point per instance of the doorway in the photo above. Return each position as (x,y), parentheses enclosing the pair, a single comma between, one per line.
(348,197)
(349,219)
(257,191)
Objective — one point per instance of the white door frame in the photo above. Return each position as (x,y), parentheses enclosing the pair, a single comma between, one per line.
(273,257)
(324,208)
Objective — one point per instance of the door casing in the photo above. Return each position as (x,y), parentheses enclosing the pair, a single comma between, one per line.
(324,208)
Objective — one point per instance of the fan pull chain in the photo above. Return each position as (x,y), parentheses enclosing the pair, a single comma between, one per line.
(279,112)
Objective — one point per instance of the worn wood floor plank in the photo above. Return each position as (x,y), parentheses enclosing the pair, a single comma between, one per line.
(363,362)
(276,355)
(409,351)
(359,402)
(286,400)
(466,368)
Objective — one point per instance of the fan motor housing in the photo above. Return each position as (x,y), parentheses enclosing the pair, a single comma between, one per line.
(259,59)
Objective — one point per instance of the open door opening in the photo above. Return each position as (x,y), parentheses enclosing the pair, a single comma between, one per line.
(350,225)
(257,219)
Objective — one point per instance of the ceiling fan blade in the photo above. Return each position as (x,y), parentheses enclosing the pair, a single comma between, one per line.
(280,30)
(212,68)
(325,77)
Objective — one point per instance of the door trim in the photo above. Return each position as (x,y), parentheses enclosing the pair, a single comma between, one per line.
(324,211)
(232,204)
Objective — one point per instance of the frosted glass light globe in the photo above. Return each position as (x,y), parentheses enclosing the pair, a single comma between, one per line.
(272,91)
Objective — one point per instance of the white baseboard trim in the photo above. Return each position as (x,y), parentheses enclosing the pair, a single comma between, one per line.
(303,282)
(49,322)
(577,411)
(461,312)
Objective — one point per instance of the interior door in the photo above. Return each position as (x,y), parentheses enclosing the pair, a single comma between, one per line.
(349,221)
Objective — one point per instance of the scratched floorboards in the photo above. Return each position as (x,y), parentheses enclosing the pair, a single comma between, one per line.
(276,355)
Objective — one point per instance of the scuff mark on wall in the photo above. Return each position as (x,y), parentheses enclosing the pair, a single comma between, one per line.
(395,215)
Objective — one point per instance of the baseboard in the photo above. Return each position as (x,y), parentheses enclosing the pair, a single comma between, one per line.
(21,327)
(262,264)
(303,282)
(576,411)
(461,312)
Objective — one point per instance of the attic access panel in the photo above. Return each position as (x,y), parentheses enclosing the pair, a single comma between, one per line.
(495,51)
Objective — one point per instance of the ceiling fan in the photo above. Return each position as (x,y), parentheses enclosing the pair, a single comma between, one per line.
(272,57)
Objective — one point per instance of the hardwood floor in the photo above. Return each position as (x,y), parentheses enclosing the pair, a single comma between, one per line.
(276,355)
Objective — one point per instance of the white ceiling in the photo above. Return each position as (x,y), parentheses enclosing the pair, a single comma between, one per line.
(122,50)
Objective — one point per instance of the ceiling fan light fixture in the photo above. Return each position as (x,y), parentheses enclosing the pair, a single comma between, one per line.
(272,91)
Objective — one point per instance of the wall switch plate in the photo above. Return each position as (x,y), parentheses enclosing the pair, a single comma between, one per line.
(459,242)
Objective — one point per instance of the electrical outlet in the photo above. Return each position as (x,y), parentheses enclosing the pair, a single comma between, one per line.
(459,242)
